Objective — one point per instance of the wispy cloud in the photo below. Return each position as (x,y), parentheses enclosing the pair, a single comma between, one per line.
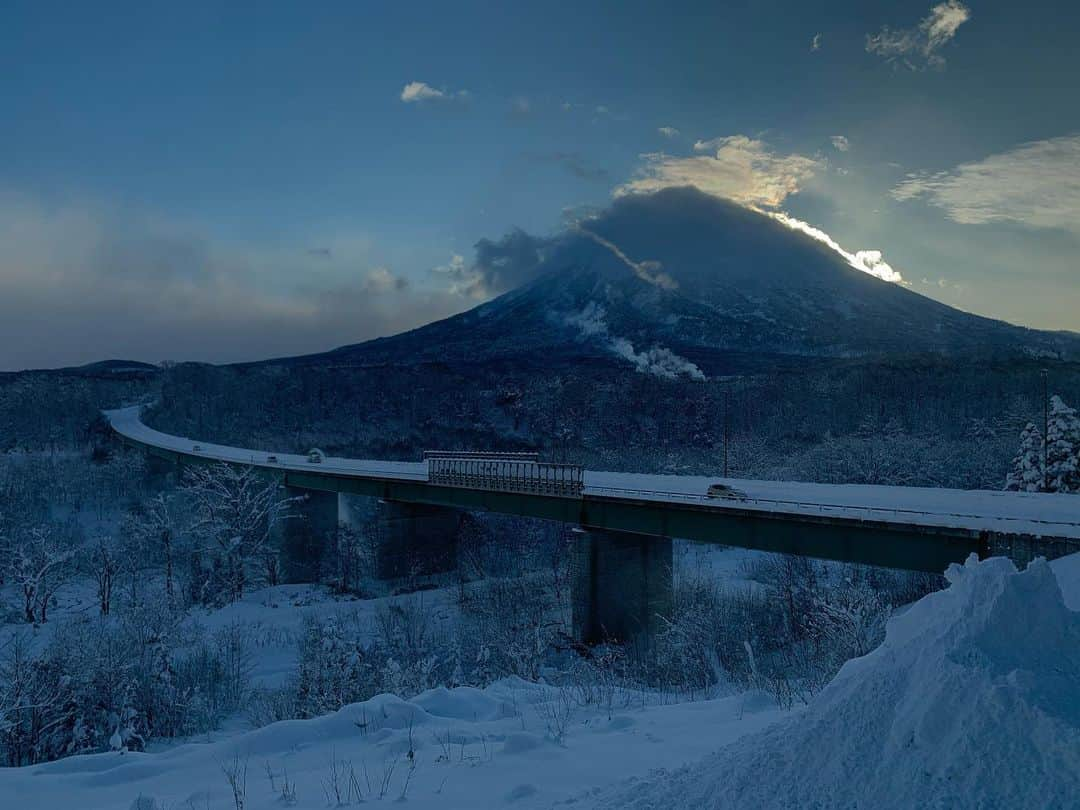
(741,169)
(919,47)
(840,143)
(420,92)
(381,280)
(815,43)
(575,164)
(1036,184)
(668,132)
(86,281)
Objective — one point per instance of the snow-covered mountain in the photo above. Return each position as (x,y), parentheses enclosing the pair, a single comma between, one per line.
(682,276)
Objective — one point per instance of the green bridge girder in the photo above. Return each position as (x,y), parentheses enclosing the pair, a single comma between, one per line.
(907,546)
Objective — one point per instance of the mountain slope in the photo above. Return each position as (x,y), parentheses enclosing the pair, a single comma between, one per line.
(702,279)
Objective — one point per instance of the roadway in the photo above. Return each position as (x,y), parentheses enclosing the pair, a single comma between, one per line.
(905,527)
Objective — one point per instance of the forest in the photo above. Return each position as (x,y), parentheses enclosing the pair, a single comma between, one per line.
(111,576)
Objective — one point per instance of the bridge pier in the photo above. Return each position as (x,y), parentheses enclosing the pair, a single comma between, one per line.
(302,539)
(415,539)
(622,585)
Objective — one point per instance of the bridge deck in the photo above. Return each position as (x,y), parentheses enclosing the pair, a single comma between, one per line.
(857,518)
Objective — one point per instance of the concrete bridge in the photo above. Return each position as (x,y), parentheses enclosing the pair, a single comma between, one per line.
(625,522)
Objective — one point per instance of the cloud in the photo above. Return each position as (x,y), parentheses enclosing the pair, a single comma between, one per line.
(945,284)
(658,361)
(868,261)
(500,265)
(840,143)
(668,132)
(381,280)
(420,92)
(740,169)
(520,105)
(85,281)
(918,47)
(575,165)
(1036,184)
(815,43)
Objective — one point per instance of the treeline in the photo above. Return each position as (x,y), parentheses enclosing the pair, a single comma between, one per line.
(61,410)
(921,422)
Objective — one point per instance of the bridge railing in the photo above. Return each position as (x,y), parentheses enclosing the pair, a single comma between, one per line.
(504,472)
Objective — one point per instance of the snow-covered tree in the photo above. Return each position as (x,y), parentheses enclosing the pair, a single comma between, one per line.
(236,510)
(1062,448)
(104,559)
(1026,474)
(154,528)
(40,563)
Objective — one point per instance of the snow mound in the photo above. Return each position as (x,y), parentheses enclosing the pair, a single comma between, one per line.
(462,703)
(973,700)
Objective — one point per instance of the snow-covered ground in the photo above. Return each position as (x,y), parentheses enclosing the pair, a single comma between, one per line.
(1040,514)
(515,743)
(471,749)
(973,700)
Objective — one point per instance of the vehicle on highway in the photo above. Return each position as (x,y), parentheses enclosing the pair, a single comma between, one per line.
(197,448)
(316,456)
(271,460)
(725,491)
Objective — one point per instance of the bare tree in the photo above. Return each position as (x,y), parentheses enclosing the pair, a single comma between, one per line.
(29,703)
(104,560)
(40,563)
(236,509)
(155,526)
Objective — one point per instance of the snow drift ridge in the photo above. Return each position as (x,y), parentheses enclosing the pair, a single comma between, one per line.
(973,700)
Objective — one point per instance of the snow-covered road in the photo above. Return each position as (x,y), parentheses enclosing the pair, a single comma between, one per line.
(1039,514)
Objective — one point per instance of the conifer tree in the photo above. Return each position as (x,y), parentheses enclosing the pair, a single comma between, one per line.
(1062,448)
(1026,474)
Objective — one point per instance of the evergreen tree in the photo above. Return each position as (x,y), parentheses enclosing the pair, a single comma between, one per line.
(1062,448)
(1026,474)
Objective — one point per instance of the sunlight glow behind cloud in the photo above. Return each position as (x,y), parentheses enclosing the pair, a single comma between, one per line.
(747,172)
(868,261)
(740,169)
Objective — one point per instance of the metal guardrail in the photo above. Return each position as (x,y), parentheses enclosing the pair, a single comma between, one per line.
(811,506)
(483,454)
(503,474)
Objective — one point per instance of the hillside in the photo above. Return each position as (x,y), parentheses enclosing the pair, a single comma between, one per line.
(706,280)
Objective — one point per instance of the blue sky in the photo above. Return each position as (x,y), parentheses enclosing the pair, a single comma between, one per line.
(179,181)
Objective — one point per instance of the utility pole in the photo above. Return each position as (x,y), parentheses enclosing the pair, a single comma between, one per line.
(727,433)
(1046,428)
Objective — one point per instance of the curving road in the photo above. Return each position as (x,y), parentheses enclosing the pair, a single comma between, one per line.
(775,515)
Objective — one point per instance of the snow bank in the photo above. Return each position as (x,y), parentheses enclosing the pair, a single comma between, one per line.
(973,700)
(472,749)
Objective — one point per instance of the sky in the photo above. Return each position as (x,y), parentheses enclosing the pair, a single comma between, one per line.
(186,181)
